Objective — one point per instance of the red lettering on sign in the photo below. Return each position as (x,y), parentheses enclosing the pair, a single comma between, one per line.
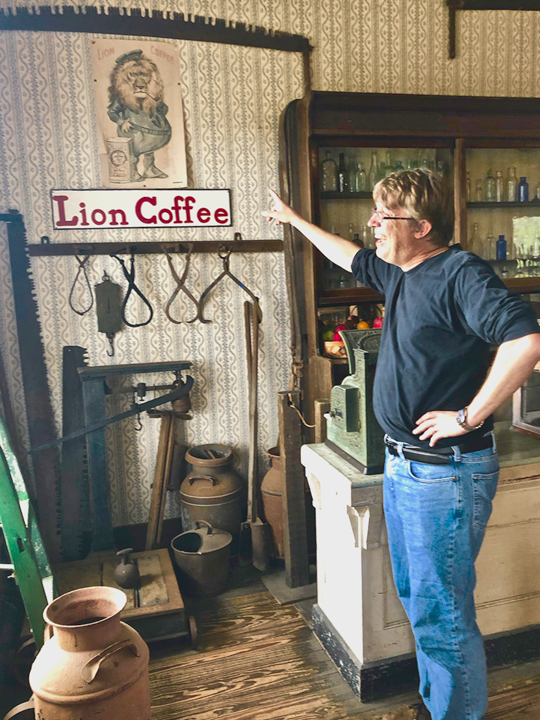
(221,216)
(190,202)
(165,216)
(63,222)
(138,210)
(94,217)
(203,215)
(113,214)
(176,207)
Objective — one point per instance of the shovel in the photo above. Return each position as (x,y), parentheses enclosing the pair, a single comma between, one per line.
(254,526)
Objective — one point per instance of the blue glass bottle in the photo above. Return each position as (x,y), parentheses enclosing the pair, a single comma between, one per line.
(523,190)
(501,248)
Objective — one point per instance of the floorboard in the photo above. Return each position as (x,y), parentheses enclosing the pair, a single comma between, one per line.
(258,660)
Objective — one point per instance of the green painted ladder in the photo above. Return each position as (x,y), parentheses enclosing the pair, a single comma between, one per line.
(25,546)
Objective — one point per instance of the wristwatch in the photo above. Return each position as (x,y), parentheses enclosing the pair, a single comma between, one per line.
(461,419)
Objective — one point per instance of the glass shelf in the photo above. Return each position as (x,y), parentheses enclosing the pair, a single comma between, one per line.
(530,205)
(362,195)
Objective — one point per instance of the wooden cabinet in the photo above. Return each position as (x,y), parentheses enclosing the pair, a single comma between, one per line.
(473,142)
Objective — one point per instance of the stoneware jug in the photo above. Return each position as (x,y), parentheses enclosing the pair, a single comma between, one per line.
(91,665)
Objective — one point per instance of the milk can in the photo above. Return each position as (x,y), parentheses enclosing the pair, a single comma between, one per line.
(272,499)
(212,491)
(92,665)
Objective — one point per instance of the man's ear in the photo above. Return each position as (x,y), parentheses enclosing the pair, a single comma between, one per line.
(423,229)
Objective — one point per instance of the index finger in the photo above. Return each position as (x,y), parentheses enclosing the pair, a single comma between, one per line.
(426,416)
(274,194)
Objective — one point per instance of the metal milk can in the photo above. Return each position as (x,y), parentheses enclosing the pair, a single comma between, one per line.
(212,492)
(92,665)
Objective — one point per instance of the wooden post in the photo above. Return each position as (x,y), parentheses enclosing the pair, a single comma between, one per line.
(294,509)
(321,407)
(159,475)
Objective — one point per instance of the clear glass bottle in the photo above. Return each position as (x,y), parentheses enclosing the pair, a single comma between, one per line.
(490,247)
(329,173)
(475,243)
(343,179)
(389,167)
(468,189)
(523,190)
(441,169)
(410,164)
(478,192)
(536,247)
(373,171)
(490,188)
(501,248)
(499,186)
(358,179)
(350,232)
(511,185)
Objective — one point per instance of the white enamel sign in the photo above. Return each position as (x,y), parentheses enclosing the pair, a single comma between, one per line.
(91,209)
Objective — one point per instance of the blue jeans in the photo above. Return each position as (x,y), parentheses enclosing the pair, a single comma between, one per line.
(436,516)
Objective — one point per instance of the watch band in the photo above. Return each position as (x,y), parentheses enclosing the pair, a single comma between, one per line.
(461,419)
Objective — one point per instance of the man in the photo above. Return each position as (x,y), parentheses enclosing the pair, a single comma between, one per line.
(444,309)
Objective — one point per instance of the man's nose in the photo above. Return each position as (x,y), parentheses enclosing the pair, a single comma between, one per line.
(373,221)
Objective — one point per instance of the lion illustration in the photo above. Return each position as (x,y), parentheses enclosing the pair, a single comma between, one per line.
(136,106)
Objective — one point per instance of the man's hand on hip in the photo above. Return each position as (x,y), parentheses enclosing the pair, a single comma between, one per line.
(438,424)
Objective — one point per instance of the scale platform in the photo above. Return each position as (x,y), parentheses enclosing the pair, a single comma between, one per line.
(155,609)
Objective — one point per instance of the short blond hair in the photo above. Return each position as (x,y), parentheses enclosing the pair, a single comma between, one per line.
(424,196)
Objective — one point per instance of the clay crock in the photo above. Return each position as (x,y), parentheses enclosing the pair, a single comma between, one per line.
(271,491)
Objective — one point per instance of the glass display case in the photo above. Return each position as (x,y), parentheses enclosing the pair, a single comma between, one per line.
(335,146)
(526,406)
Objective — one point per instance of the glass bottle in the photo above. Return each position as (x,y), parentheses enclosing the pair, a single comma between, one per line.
(499,186)
(441,168)
(490,187)
(478,192)
(398,166)
(501,248)
(475,243)
(329,173)
(389,167)
(343,180)
(424,162)
(359,184)
(511,185)
(350,233)
(468,188)
(536,247)
(373,171)
(410,164)
(490,248)
(523,190)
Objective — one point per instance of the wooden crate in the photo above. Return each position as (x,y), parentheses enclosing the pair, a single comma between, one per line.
(155,609)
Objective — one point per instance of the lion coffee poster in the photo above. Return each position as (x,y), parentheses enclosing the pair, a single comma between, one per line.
(139,113)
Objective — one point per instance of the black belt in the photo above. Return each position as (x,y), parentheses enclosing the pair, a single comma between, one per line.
(442,456)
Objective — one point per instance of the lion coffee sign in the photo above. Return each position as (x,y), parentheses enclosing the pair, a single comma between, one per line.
(117,209)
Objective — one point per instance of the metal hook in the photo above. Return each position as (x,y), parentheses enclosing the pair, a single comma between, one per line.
(110,338)
(180,285)
(225,254)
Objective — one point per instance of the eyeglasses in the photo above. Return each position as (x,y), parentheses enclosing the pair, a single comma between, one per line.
(380,215)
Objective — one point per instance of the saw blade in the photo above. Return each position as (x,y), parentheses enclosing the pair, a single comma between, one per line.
(39,413)
(76,519)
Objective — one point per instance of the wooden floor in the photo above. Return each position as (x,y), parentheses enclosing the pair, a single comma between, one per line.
(258,660)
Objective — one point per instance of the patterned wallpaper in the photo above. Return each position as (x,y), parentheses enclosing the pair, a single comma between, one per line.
(232,101)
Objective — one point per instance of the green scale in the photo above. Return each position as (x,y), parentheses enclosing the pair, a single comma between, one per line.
(352,430)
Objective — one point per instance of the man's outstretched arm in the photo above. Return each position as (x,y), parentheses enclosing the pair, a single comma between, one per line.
(337,249)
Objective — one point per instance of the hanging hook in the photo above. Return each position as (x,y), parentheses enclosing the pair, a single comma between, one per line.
(180,285)
(130,277)
(82,268)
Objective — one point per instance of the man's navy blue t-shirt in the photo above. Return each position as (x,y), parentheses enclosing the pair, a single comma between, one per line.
(441,318)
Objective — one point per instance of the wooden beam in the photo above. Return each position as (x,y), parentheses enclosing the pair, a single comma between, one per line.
(294,507)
